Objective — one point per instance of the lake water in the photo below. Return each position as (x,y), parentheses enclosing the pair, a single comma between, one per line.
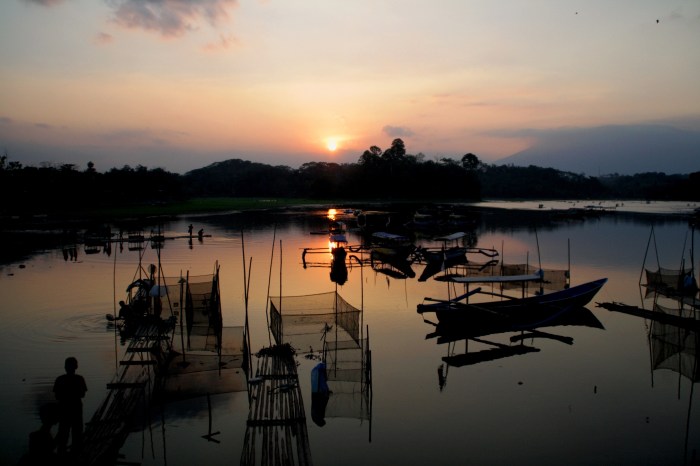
(594,399)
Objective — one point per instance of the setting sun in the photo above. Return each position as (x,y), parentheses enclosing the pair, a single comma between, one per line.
(331,144)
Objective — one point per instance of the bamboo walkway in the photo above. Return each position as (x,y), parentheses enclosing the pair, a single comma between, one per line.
(276,421)
(129,392)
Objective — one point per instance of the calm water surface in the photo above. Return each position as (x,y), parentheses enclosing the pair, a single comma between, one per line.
(596,401)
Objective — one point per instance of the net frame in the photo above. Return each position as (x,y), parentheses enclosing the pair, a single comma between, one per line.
(305,320)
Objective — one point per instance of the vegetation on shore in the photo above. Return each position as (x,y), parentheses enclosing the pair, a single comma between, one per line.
(390,175)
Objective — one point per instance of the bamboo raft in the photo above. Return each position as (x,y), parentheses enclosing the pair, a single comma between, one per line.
(276,422)
(129,392)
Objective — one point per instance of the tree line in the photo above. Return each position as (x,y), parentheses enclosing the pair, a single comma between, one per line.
(390,174)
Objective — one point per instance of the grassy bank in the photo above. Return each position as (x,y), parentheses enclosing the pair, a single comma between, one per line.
(200,206)
(78,215)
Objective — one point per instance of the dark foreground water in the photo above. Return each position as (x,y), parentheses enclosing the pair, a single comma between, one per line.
(594,398)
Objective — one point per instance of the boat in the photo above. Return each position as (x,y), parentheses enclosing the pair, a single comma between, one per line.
(438,259)
(369,221)
(456,310)
(454,254)
(391,245)
(489,337)
(391,263)
(443,253)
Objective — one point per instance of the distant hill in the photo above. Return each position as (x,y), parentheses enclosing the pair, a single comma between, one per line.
(626,150)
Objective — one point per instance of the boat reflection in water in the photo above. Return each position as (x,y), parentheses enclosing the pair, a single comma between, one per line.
(488,323)
(489,336)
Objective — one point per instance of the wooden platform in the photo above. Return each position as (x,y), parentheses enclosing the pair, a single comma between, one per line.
(276,433)
(128,393)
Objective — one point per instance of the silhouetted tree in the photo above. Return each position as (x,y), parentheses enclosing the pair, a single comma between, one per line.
(470,161)
(371,157)
(396,152)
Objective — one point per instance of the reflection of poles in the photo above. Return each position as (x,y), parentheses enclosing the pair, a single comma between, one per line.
(246,287)
(189,309)
(281,324)
(114,303)
(219,318)
(158,301)
(641,272)
(690,404)
(368,369)
(568,259)
(183,311)
(269,280)
(362,320)
(210,434)
(651,350)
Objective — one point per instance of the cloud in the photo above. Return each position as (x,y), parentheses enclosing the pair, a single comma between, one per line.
(45,2)
(102,38)
(172,18)
(397,131)
(226,41)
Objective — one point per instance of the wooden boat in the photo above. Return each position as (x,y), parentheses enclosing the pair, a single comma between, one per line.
(390,239)
(456,254)
(391,262)
(454,309)
(439,260)
(390,247)
(369,221)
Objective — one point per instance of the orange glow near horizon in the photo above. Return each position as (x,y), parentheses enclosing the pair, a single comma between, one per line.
(178,98)
(332,144)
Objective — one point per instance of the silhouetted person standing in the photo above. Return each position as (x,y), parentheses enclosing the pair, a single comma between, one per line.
(70,389)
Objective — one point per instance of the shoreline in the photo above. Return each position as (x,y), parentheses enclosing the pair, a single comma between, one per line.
(23,237)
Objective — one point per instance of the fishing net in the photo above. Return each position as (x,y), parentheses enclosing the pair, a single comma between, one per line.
(195,373)
(674,347)
(306,321)
(552,279)
(348,379)
(667,278)
(212,357)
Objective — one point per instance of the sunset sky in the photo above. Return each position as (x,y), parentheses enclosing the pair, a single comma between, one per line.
(180,84)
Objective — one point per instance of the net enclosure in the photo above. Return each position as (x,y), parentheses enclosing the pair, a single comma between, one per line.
(211,358)
(302,321)
(671,279)
(328,324)
(675,348)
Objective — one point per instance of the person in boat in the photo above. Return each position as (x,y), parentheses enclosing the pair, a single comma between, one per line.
(125,310)
(200,234)
(70,389)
